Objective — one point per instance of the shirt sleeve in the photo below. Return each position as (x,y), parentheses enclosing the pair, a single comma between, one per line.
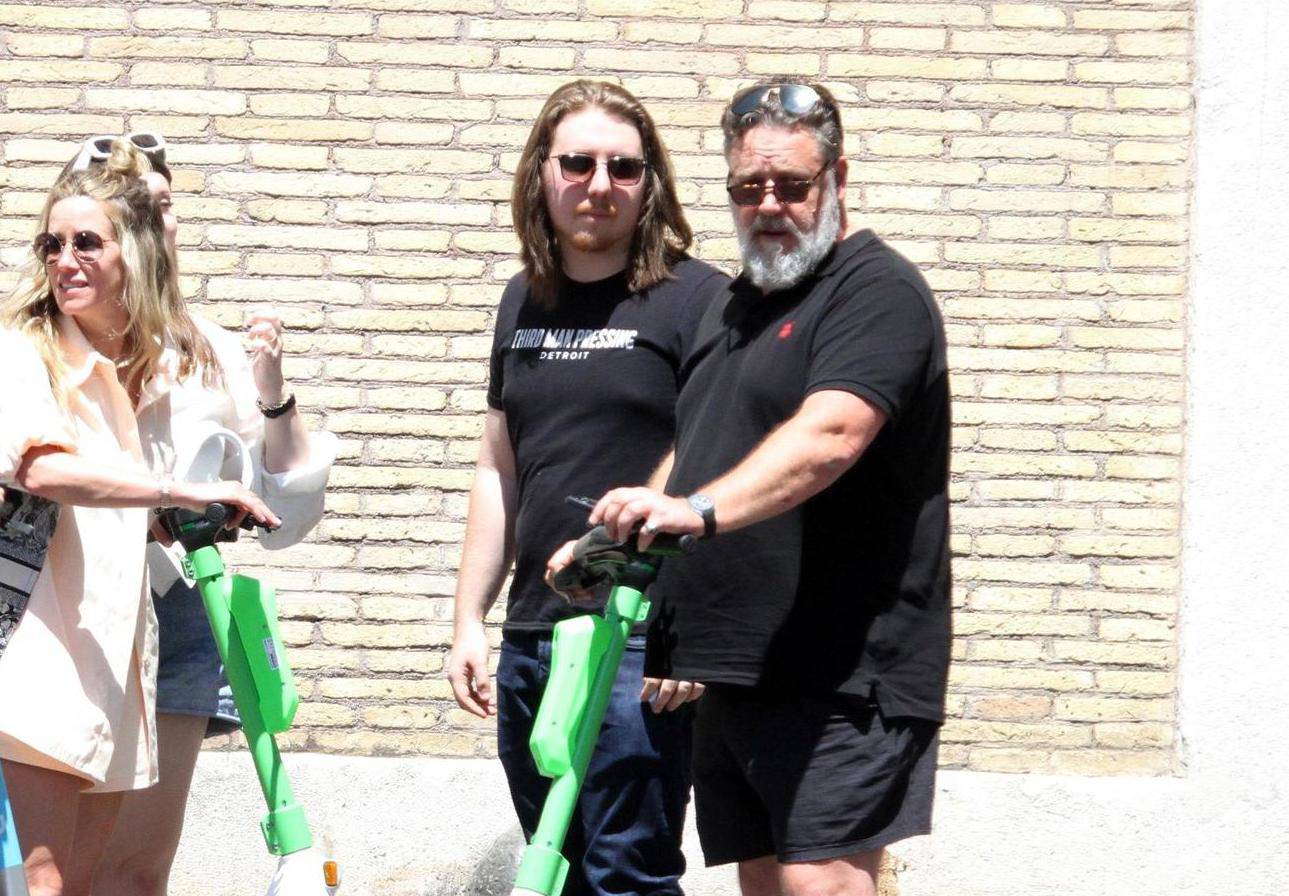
(501,335)
(32,417)
(695,310)
(875,341)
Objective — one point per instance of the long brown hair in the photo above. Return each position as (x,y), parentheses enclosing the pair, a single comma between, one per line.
(661,236)
(150,294)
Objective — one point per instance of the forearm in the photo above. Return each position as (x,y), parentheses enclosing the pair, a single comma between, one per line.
(489,546)
(286,442)
(796,461)
(68,478)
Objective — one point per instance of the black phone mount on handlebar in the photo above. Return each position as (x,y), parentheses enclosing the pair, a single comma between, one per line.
(202,530)
(599,559)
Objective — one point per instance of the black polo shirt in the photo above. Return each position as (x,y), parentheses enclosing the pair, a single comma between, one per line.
(848,592)
(589,390)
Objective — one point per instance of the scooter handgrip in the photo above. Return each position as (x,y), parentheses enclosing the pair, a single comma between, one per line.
(667,544)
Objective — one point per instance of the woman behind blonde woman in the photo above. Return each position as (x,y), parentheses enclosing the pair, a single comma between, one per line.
(82,339)
(290,468)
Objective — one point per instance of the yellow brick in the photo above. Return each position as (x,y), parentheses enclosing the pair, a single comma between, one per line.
(1155,518)
(1049,735)
(1161,578)
(1132,125)
(315,51)
(852,65)
(781,36)
(1027,15)
(136,46)
(1028,43)
(1153,45)
(1130,20)
(1133,735)
(1014,545)
(1121,654)
(1120,441)
(1020,253)
(914,198)
(1029,69)
(398,267)
(408,347)
(205,102)
(61,71)
(714,10)
(1026,388)
(286,155)
(41,98)
(544,29)
(786,10)
(1133,72)
(1031,679)
(1004,651)
(45,44)
(1025,95)
(1155,204)
(490,85)
(865,172)
(405,660)
(1027,200)
(908,13)
(1172,99)
(292,77)
(289,236)
(1021,336)
(76,18)
(1029,148)
(897,144)
(1136,629)
(180,74)
(285,289)
(1125,284)
(662,32)
(665,87)
(1005,227)
(1029,572)
(1112,709)
(279,22)
(902,91)
(907,38)
(60,124)
(1027,707)
(536,57)
(290,184)
(1130,230)
(1027,122)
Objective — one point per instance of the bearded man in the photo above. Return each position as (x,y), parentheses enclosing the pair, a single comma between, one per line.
(811,456)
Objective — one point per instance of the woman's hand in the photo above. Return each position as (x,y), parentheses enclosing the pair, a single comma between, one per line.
(264,345)
(196,495)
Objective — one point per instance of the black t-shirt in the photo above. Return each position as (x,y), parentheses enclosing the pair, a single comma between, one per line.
(848,592)
(589,392)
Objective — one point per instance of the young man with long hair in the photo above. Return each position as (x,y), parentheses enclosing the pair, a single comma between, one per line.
(586,367)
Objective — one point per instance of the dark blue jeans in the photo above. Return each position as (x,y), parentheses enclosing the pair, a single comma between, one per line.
(625,834)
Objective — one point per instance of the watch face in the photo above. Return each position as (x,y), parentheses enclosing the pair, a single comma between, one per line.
(700,503)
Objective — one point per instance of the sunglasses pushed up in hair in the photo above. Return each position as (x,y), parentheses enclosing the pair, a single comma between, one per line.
(579,167)
(86,246)
(97,149)
(796,99)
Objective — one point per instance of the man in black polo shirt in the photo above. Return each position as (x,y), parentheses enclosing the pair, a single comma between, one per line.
(812,451)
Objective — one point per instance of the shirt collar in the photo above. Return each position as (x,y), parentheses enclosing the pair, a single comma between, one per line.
(80,357)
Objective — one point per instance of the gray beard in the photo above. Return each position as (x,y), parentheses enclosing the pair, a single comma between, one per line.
(772,269)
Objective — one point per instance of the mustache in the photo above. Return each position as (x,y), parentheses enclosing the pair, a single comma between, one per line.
(767,223)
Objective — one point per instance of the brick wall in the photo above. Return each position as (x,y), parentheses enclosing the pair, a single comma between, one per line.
(349,161)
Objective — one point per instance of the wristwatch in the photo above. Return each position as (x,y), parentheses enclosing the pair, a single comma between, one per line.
(703,506)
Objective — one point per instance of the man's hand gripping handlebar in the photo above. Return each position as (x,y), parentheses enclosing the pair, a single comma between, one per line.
(599,559)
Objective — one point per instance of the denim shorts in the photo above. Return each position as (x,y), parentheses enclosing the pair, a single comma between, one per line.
(190,677)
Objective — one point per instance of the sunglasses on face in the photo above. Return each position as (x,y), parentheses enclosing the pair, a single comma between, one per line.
(578,168)
(796,99)
(789,192)
(97,149)
(86,246)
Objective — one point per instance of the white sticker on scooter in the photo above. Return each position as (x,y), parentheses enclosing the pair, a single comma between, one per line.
(271,653)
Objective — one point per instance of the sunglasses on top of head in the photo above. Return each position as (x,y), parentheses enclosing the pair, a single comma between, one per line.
(98,149)
(86,246)
(579,167)
(796,99)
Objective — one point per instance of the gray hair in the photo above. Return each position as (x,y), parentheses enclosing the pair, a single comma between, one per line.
(822,118)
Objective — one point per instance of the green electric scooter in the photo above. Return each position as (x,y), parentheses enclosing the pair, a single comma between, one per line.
(586,652)
(243,618)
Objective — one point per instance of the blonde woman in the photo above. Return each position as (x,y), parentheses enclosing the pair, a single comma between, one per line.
(81,341)
(290,469)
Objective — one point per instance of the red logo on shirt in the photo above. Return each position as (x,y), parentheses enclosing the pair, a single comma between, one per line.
(786,330)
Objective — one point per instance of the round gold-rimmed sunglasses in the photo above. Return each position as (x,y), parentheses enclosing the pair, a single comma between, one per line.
(86,246)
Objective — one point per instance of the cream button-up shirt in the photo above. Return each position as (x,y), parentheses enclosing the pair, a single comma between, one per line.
(79,674)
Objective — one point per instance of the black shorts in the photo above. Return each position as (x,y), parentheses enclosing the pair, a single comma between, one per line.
(807,777)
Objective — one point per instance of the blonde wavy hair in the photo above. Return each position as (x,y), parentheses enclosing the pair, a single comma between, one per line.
(151,296)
